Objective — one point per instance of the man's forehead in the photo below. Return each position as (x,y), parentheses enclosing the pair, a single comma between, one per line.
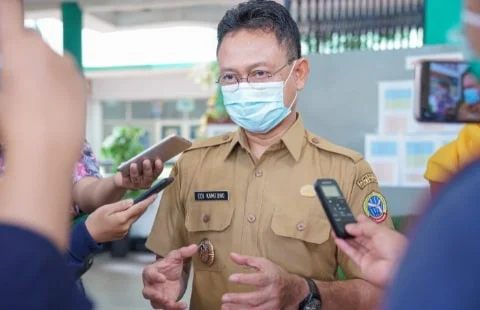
(245,48)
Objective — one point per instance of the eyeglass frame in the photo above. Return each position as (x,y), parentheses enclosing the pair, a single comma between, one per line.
(269,75)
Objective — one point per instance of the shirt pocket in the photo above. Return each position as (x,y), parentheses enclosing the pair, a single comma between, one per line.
(211,222)
(300,241)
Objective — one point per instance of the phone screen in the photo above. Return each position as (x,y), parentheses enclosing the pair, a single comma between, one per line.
(449,92)
(331,191)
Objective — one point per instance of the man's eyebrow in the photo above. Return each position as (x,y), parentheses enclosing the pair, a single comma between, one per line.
(250,67)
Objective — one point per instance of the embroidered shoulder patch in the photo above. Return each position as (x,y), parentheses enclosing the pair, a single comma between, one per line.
(366,179)
(375,207)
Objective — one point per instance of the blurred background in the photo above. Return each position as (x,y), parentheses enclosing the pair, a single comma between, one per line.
(151,71)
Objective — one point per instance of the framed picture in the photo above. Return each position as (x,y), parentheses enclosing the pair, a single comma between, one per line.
(171,130)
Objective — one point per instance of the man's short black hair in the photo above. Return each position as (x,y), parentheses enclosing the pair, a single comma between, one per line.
(266,15)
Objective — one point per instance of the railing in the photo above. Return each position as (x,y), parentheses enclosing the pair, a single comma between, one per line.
(334,26)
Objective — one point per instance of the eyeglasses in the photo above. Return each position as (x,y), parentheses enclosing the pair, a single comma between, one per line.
(254,78)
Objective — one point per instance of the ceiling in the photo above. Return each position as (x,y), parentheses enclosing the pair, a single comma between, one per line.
(109,15)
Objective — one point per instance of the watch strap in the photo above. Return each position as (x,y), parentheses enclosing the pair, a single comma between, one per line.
(313,294)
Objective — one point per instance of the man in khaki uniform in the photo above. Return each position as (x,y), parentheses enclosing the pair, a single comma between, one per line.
(242,207)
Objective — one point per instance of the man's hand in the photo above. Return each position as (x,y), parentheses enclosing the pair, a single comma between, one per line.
(376,249)
(112,222)
(42,114)
(275,287)
(163,282)
(139,179)
(42,91)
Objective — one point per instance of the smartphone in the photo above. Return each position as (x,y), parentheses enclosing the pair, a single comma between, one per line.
(446,92)
(155,189)
(335,206)
(165,150)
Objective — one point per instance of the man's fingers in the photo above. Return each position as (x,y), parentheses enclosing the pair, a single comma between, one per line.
(11,19)
(134,173)
(251,299)
(350,249)
(253,279)
(178,256)
(137,210)
(250,261)
(152,275)
(118,206)
(147,171)
(158,167)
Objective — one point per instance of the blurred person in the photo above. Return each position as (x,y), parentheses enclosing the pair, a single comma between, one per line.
(36,100)
(469,109)
(242,208)
(452,157)
(430,275)
(442,103)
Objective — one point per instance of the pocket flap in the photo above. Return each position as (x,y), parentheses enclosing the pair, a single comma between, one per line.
(302,225)
(208,218)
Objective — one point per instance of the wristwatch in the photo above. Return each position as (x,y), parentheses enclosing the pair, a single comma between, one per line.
(313,301)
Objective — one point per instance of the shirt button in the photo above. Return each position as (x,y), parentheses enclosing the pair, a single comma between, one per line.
(206,218)
(258,173)
(315,140)
(225,138)
(300,226)
(251,218)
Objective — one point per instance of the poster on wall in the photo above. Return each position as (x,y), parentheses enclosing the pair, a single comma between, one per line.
(395,111)
(401,160)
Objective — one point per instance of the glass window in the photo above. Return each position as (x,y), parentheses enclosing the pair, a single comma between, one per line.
(146,110)
(107,130)
(114,110)
(199,109)
(171,110)
(195,132)
(171,130)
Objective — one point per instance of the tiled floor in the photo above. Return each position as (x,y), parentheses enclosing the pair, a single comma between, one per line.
(116,284)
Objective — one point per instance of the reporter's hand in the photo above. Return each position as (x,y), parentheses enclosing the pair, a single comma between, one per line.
(162,280)
(139,179)
(40,90)
(112,222)
(376,249)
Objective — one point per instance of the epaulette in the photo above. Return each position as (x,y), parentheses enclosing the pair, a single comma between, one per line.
(213,141)
(328,146)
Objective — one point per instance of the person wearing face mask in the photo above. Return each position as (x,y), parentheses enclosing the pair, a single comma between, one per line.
(242,208)
(469,108)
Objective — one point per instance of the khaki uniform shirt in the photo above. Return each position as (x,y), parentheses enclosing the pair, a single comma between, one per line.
(265,208)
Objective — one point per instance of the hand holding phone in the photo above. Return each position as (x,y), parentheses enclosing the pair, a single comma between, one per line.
(164,150)
(446,92)
(335,205)
(157,188)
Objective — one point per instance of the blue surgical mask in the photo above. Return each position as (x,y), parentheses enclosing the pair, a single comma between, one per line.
(471,96)
(257,109)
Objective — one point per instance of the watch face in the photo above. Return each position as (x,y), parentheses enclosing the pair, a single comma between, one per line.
(314,304)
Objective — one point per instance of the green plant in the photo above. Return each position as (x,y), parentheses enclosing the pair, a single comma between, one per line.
(123,144)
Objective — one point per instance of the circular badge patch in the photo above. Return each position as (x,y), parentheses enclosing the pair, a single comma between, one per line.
(375,207)
(206,252)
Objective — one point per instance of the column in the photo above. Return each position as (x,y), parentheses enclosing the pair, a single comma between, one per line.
(72,30)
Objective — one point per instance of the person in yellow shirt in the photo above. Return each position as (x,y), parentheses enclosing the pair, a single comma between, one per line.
(450,158)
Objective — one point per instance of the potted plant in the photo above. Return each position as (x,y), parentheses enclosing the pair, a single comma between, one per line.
(123,144)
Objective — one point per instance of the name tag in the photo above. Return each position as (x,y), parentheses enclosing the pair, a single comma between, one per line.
(216,195)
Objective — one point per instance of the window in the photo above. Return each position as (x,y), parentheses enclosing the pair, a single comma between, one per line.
(146,110)
(114,110)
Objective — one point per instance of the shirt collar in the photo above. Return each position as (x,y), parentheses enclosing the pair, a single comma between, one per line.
(292,139)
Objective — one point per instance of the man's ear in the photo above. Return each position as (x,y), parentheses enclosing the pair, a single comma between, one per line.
(301,72)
